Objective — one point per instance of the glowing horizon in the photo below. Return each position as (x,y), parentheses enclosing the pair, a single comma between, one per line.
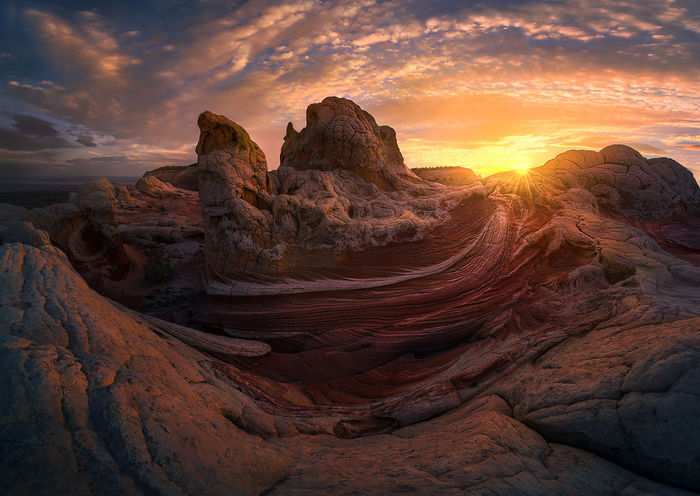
(109,90)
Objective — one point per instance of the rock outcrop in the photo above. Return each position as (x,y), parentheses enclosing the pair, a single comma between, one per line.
(152,186)
(98,401)
(626,183)
(184,177)
(85,229)
(340,135)
(233,188)
(342,185)
(96,243)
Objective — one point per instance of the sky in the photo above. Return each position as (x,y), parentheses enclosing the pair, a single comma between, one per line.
(115,88)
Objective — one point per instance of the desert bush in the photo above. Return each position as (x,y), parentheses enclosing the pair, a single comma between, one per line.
(157,270)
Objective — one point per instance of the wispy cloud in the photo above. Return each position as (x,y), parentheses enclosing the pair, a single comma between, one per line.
(483,85)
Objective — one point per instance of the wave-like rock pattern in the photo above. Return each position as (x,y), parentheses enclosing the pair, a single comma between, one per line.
(98,400)
(518,276)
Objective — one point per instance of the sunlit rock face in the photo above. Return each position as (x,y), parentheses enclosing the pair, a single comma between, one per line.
(626,183)
(342,186)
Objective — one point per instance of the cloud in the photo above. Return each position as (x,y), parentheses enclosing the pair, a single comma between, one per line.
(470,78)
(85,45)
(31,134)
(28,124)
(86,140)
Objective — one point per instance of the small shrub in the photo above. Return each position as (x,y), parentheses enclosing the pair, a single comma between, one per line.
(157,270)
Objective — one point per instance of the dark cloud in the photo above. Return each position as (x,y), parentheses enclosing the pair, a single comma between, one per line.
(86,140)
(28,124)
(17,141)
(32,134)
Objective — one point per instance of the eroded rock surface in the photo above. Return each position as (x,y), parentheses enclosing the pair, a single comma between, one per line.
(340,135)
(534,333)
(628,184)
(342,185)
(96,399)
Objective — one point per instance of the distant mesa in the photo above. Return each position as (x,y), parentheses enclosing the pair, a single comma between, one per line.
(448,175)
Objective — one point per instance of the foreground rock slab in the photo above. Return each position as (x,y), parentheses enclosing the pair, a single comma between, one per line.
(96,399)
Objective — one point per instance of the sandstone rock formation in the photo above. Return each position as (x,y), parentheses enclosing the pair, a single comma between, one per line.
(85,229)
(534,334)
(626,183)
(184,177)
(152,186)
(342,185)
(97,399)
(340,135)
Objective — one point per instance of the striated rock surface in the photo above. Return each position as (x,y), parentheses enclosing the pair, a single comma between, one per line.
(101,400)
